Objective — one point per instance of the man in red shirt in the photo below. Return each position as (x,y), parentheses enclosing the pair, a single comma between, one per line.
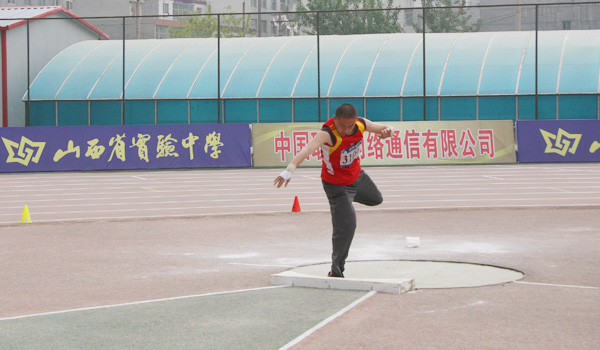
(344,181)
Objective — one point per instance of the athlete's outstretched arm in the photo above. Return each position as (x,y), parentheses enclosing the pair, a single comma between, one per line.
(319,140)
(384,131)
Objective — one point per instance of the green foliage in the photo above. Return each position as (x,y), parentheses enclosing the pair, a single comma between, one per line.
(446,20)
(357,22)
(206,26)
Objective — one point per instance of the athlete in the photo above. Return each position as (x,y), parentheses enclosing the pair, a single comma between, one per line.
(344,181)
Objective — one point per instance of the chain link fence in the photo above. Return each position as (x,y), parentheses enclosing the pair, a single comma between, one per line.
(470,63)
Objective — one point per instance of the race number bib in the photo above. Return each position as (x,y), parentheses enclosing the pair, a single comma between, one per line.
(350,154)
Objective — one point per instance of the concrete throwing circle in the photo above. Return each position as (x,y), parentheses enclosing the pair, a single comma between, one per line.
(426,274)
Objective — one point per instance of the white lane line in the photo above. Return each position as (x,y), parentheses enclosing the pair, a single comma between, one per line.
(453,207)
(187,215)
(260,188)
(556,285)
(138,177)
(321,199)
(262,191)
(496,199)
(406,169)
(138,303)
(493,177)
(89,196)
(467,197)
(205,194)
(178,208)
(150,189)
(411,183)
(311,177)
(326,321)
(559,189)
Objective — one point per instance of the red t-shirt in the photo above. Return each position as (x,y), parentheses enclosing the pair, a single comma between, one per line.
(341,159)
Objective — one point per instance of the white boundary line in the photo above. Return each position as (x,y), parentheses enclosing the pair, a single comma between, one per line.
(327,320)
(556,285)
(139,302)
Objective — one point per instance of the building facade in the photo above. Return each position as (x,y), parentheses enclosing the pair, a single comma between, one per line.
(263,22)
(168,12)
(550,17)
(149,27)
(68,4)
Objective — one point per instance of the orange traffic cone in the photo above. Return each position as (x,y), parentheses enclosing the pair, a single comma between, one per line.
(296,206)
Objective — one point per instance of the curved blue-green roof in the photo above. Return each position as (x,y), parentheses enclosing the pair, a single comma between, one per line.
(370,65)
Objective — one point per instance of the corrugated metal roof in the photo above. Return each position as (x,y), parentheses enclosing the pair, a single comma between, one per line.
(11,17)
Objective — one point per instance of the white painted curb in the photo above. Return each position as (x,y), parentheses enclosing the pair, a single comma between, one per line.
(294,279)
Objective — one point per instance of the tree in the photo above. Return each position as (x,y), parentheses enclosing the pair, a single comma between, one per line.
(446,20)
(206,26)
(356,22)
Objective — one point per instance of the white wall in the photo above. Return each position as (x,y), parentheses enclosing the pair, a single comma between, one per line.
(47,39)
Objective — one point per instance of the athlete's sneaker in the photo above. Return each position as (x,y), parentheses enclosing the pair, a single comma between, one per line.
(331,274)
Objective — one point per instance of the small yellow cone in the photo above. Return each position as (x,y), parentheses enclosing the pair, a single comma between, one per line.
(26,217)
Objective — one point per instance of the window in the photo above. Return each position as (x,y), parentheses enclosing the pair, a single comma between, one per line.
(274,5)
(165,8)
(11,1)
(253,3)
(69,5)
(264,26)
(162,32)
(253,24)
(264,4)
(180,8)
(566,25)
(408,16)
(282,5)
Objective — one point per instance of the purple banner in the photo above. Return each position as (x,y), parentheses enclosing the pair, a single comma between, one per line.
(124,147)
(552,141)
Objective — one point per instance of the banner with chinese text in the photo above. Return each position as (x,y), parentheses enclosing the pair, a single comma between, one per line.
(447,142)
(124,147)
(551,141)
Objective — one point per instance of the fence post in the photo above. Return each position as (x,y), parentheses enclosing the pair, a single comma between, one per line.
(219,71)
(424,72)
(536,61)
(27,110)
(123,93)
(318,67)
